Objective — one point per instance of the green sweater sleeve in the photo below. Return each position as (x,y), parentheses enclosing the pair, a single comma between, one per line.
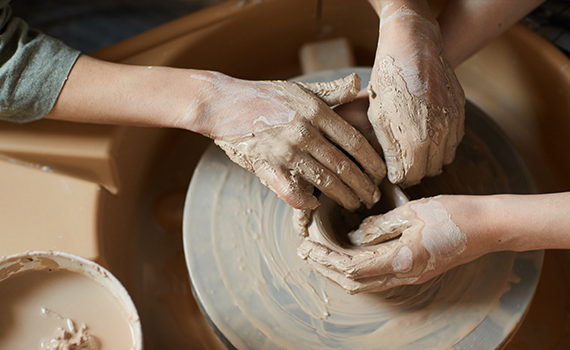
(33,69)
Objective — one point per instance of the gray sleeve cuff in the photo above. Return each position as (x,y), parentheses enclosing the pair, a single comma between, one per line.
(34,68)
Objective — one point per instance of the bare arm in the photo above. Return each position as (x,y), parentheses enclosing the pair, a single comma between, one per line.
(468,25)
(529,222)
(281,131)
(108,93)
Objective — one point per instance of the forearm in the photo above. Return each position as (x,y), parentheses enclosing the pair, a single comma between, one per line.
(469,25)
(535,221)
(512,222)
(109,93)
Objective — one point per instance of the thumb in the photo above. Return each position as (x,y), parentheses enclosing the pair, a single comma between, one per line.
(335,92)
(379,229)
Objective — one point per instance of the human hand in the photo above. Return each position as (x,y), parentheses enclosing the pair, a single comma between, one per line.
(355,114)
(408,245)
(416,102)
(286,133)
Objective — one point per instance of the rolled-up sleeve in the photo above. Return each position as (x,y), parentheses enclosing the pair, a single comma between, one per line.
(33,69)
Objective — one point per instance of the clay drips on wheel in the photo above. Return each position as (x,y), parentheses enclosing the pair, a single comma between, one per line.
(276,291)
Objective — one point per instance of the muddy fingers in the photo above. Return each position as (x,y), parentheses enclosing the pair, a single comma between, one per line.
(336,92)
(416,102)
(289,137)
(346,170)
(408,245)
(352,142)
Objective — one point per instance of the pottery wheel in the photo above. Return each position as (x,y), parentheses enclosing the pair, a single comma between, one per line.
(240,248)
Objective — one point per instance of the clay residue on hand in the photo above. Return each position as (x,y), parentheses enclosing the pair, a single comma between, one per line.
(413,131)
(376,229)
(404,246)
(416,101)
(335,92)
(441,237)
(293,156)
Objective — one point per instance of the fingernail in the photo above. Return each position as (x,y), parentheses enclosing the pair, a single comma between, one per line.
(312,203)
(395,175)
(376,195)
(351,204)
(356,237)
(375,198)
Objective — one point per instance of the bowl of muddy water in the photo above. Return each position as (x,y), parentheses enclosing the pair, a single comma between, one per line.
(55,300)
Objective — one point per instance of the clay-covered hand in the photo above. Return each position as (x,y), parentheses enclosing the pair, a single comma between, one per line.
(355,113)
(286,133)
(408,245)
(416,102)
